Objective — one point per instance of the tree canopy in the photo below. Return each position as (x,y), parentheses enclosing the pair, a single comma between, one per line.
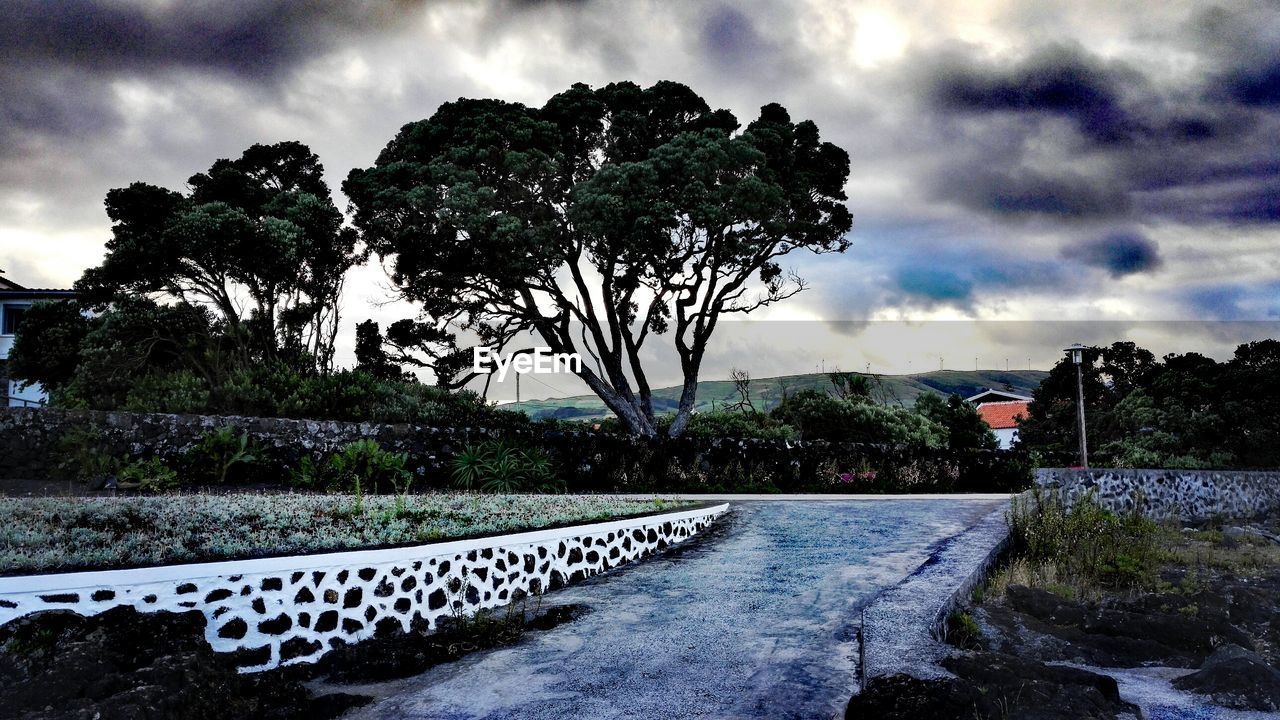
(257,240)
(598,221)
(1182,411)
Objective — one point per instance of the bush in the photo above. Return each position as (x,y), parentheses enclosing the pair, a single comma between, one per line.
(220,456)
(364,466)
(181,392)
(1087,543)
(81,454)
(150,475)
(819,416)
(500,467)
(733,424)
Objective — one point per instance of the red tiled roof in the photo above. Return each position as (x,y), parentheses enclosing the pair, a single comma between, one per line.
(1002,415)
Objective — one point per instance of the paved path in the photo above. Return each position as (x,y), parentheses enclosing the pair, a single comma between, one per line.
(757,620)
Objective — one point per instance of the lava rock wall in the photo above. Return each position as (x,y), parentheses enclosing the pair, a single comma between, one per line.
(1187,495)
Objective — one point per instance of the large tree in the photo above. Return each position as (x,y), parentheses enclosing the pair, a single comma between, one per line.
(257,239)
(602,219)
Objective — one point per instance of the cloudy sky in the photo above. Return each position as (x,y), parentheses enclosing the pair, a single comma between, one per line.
(1111,163)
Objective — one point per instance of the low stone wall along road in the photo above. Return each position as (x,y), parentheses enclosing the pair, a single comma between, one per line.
(758,619)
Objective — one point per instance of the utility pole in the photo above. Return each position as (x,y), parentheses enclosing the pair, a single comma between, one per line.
(1076,352)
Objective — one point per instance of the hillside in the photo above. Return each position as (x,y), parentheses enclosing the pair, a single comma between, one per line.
(766,393)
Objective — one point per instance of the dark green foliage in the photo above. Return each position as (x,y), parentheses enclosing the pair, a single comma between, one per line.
(47,347)
(503,467)
(104,357)
(82,455)
(488,210)
(371,355)
(220,456)
(820,416)
(965,428)
(963,631)
(733,424)
(1183,411)
(1086,542)
(262,227)
(364,466)
(150,475)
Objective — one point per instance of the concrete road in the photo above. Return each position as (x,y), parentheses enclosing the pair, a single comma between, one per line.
(758,619)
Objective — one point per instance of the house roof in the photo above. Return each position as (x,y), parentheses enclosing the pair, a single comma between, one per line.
(1002,415)
(993,395)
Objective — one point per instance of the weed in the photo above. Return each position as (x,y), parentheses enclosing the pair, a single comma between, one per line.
(218,451)
(150,475)
(963,631)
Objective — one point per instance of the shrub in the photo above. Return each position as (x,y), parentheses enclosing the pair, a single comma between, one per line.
(150,475)
(364,466)
(181,392)
(733,424)
(500,467)
(81,454)
(218,452)
(1087,543)
(819,416)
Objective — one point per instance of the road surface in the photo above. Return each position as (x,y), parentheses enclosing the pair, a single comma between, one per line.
(758,619)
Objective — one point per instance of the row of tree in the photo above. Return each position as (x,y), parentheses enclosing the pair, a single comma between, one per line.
(596,222)
(1180,411)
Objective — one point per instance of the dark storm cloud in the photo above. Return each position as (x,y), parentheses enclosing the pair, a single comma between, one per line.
(1119,253)
(1057,80)
(251,38)
(1025,192)
(1257,86)
(934,285)
(1062,133)
(1235,301)
(60,57)
(728,35)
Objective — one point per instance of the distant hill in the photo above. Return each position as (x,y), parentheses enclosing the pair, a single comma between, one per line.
(766,393)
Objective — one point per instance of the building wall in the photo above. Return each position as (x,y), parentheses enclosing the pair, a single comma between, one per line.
(1006,436)
(18,396)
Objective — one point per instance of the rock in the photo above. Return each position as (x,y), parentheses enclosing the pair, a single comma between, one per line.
(902,697)
(1236,678)
(1120,638)
(992,685)
(1037,691)
(126,664)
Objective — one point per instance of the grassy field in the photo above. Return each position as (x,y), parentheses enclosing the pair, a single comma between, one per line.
(47,534)
(766,393)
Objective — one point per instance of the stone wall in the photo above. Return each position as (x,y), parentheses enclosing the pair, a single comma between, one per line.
(280,611)
(588,461)
(1170,494)
(29,437)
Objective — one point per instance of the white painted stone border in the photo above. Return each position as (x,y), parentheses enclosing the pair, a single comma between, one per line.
(285,610)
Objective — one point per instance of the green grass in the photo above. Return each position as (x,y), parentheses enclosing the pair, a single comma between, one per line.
(766,393)
(48,534)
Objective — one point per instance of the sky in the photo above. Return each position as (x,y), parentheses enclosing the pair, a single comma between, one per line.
(1023,174)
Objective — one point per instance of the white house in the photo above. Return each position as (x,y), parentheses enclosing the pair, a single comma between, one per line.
(1000,410)
(14,302)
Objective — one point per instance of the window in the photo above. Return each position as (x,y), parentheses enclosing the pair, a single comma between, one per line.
(12,316)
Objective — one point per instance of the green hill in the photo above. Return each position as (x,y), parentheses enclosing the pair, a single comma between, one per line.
(766,393)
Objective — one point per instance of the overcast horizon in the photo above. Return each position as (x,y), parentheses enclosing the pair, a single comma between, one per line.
(1011,161)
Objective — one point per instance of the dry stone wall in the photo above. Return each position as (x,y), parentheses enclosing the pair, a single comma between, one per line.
(280,611)
(1170,494)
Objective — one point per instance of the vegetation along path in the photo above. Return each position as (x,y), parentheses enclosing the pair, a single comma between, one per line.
(757,620)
